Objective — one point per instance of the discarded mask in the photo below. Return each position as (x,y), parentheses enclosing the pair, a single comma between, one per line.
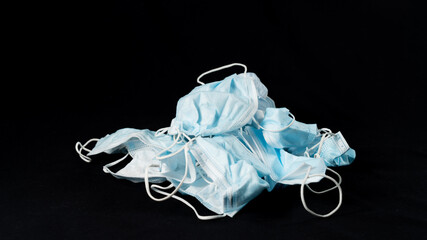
(227,143)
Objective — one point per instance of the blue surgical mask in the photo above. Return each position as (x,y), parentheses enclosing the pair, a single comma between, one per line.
(226,145)
(217,171)
(219,107)
(144,147)
(286,168)
(333,148)
(294,133)
(283,167)
(231,180)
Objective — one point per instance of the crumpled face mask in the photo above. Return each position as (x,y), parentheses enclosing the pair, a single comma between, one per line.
(231,181)
(227,143)
(144,146)
(282,167)
(293,133)
(333,148)
(219,107)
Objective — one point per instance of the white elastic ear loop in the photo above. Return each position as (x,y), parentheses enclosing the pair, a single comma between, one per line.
(79,147)
(176,139)
(156,189)
(328,133)
(147,187)
(275,130)
(326,130)
(320,144)
(329,189)
(303,199)
(106,168)
(220,68)
(161,131)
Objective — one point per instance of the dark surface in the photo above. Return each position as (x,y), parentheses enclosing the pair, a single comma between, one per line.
(358,68)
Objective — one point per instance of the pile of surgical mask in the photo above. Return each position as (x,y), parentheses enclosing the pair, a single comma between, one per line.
(226,145)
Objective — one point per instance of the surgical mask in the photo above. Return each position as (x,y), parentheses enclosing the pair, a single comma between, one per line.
(288,169)
(237,162)
(333,148)
(226,180)
(219,107)
(283,167)
(156,157)
(281,130)
(144,146)
(263,104)
(231,180)
(218,172)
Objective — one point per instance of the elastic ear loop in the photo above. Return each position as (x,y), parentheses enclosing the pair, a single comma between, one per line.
(161,131)
(328,133)
(303,199)
(210,217)
(176,139)
(275,130)
(220,68)
(326,130)
(329,189)
(147,188)
(79,147)
(156,187)
(106,167)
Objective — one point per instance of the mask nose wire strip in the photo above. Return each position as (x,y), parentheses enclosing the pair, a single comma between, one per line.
(275,130)
(303,199)
(79,148)
(220,68)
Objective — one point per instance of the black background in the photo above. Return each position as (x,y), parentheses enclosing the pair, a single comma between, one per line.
(87,69)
